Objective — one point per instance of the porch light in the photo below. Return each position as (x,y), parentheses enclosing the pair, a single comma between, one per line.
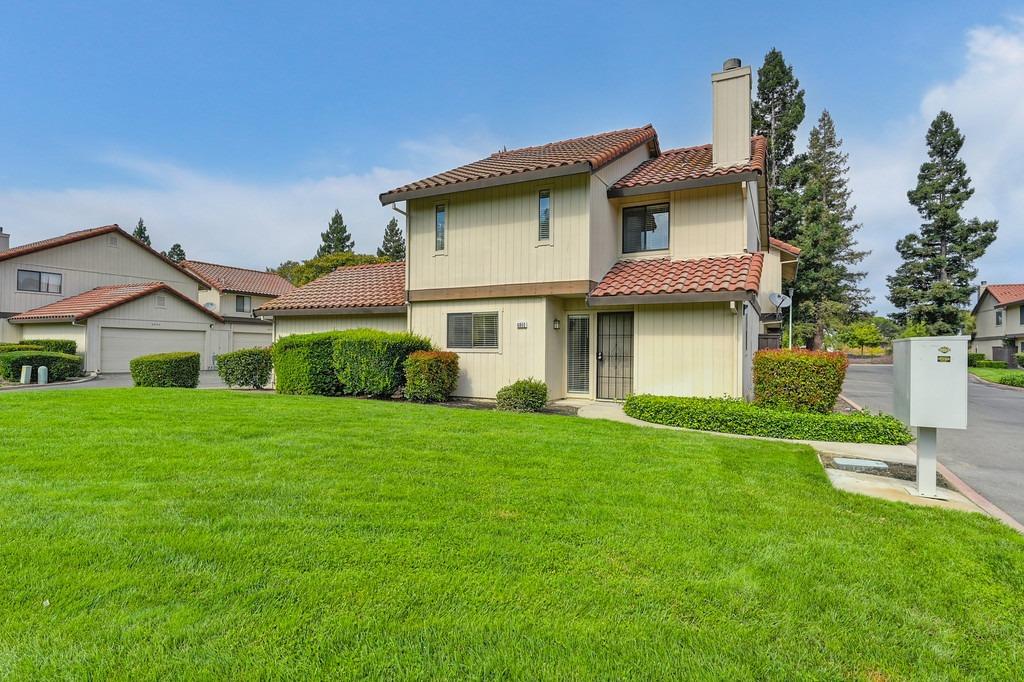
(558,324)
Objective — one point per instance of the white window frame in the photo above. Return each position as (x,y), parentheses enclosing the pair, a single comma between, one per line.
(443,251)
(40,290)
(243,298)
(491,311)
(646,253)
(546,241)
(999,318)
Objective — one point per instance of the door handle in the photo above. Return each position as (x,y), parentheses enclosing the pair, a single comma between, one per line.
(600,356)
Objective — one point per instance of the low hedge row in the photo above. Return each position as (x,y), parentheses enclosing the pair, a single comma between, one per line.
(54,345)
(525,395)
(729,415)
(370,362)
(992,364)
(974,358)
(249,367)
(166,370)
(431,376)
(12,347)
(799,380)
(60,366)
(1015,379)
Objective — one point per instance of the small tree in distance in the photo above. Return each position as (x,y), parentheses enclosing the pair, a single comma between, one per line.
(141,233)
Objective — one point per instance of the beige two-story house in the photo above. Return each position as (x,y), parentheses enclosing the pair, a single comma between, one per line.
(603,265)
(999,321)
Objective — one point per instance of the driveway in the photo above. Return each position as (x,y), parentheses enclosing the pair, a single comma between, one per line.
(988,455)
(124,380)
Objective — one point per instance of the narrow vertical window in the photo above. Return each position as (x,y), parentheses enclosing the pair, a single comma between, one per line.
(544,215)
(439,227)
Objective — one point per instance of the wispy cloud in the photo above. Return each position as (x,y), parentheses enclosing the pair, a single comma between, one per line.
(985,101)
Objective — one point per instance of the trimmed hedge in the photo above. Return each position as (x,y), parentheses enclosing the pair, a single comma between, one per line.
(525,395)
(1020,359)
(247,367)
(974,358)
(166,370)
(731,415)
(1016,379)
(798,380)
(60,366)
(431,376)
(54,345)
(993,364)
(303,364)
(12,347)
(370,362)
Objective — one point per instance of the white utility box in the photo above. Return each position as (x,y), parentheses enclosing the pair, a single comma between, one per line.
(931,381)
(930,392)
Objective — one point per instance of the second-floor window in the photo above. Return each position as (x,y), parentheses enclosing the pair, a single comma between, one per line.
(440,226)
(243,304)
(473,330)
(45,282)
(999,318)
(544,215)
(645,228)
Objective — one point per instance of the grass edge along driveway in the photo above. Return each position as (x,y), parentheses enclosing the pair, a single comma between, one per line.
(173,533)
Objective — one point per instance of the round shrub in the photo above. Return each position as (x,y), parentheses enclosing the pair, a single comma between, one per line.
(166,370)
(370,361)
(68,346)
(798,380)
(60,366)
(431,376)
(247,367)
(303,364)
(525,395)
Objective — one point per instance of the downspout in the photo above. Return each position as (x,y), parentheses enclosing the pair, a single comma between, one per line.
(738,374)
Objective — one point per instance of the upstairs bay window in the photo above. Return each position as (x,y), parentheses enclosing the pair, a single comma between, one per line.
(645,228)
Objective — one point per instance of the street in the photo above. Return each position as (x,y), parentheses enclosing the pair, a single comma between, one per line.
(988,455)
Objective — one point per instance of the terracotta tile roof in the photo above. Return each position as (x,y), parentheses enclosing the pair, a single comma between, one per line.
(239,280)
(688,163)
(1006,293)
(376,285)
(593,150)
(784,246)
(100,299)
(698,275)
(79,235)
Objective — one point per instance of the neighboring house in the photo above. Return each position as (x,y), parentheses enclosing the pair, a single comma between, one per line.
(999,321)
(234,293)
(602,265)
(112,294)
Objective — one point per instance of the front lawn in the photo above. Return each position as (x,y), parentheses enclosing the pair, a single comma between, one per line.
(995,375)
(153,533)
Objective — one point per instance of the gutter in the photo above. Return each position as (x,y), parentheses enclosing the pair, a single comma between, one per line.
(656,299)
(541,174)
(370,310)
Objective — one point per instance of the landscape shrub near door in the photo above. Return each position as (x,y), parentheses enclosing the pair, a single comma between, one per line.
(431,376)
(303,364)
(60,366)
(248,367)
(798,380)
(54,345)
(370,362)
(1014,379)
(525,395)
(974,358)
(993,364)
(732,415)
(166,370)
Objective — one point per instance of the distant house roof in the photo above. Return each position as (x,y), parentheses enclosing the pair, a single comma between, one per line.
(517,165)
(239,280)
(100,299)
(353,288)
(79,235)
(676,168)
(784,246)
(717,275)
(1005,294)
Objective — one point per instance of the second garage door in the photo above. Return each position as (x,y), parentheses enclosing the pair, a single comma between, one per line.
(119,345)
(240,340)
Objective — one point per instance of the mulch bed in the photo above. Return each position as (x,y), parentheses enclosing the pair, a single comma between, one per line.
(897,470)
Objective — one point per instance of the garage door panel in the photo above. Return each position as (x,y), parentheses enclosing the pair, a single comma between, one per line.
(240,340)
(119,345)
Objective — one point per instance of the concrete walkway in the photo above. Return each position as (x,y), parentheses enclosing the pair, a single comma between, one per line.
(864,484)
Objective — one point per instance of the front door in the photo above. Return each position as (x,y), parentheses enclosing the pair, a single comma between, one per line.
(614,355)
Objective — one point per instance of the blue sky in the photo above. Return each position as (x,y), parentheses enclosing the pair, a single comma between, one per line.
(237,128)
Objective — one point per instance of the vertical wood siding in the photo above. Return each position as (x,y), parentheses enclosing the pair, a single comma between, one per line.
(287,325)
(709,221)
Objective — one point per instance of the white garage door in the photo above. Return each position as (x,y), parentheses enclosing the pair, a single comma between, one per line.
(240,340)
(118,346)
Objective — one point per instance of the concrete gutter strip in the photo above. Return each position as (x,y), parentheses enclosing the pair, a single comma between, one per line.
(21,387)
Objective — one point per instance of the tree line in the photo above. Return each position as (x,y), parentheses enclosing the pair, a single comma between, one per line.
(809,206)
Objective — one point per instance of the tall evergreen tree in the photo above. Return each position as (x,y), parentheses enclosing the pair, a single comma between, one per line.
(336,239)
(141,233)
(777,113)
(393,247)
(827,291)
(176,253)
(934,283)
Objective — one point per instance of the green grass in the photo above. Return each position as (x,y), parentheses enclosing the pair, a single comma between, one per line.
(155,533)
(994,375)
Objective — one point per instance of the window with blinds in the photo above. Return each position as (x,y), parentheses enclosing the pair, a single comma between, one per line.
(645,228)
(440,225)
(578,354)
(544,215)
(473,330)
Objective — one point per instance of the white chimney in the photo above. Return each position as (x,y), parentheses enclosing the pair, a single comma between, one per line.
(730,114)
(5,240)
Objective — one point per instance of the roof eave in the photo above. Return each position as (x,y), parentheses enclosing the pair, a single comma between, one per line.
(50,319)
(656,299)
(512,178)
(367,310)
(692,183)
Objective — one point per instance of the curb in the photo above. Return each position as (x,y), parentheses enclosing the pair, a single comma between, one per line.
(974,377)
(967,491)
(22,387)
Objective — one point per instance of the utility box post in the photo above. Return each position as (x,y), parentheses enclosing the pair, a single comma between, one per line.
(929,393)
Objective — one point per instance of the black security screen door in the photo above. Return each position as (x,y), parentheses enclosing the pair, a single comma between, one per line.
(614,355)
